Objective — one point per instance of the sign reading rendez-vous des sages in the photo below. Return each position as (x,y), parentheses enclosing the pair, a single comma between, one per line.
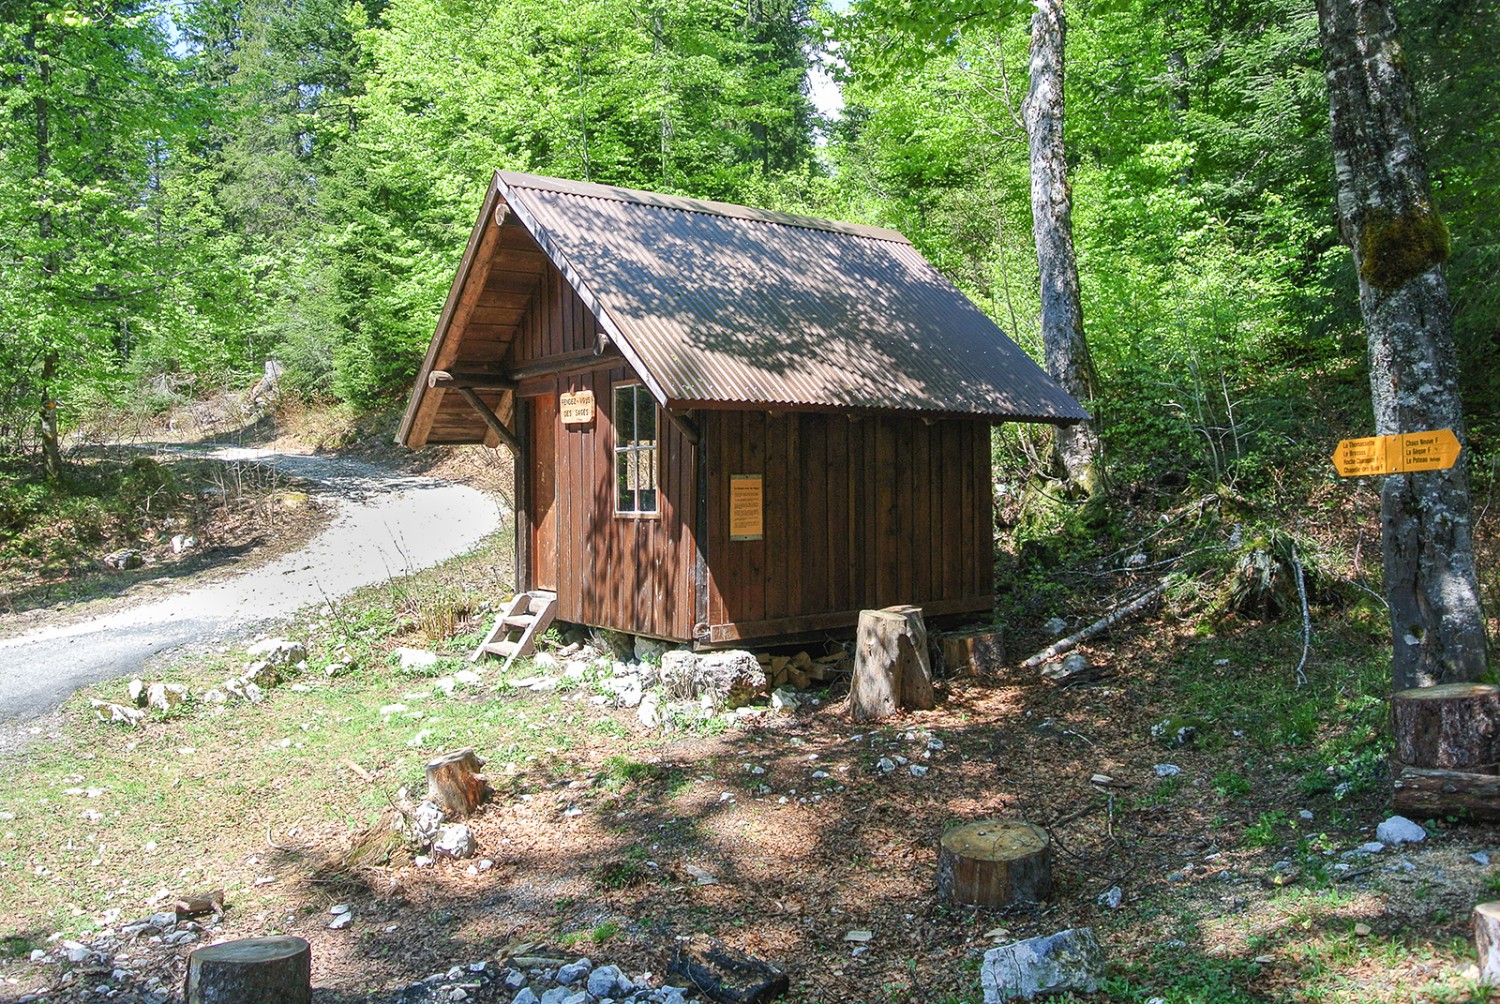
(1401,454)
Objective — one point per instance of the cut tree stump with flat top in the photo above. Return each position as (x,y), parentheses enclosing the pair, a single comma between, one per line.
(995,862)
(1487,942)
(251,971)
(454,783)
(1420,793)
(891,666)
(1453,726)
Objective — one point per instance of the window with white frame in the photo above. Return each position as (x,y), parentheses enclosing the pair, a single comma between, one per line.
(635,452)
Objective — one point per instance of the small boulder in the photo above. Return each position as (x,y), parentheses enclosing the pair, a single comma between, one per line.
(117,714)
(454,841)
(1069,960)
(415,660)
(1055,626)
(609,981)
(166,696)
(183,542)
(277,651)
(122,561)
(1074,668)
(425,823)
(648,649)
(1399,830)
(574,971)
(137,692)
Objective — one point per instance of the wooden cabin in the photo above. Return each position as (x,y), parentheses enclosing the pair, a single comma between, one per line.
(731,425)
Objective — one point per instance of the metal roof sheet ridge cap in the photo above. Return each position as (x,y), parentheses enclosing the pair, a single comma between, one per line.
(707,207)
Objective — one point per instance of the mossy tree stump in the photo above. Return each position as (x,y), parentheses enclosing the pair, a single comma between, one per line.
(251,971)
(995,862)
(454,783)
(1486,921)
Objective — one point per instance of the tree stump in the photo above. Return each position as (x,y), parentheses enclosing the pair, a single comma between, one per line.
(891,666)
(995,862)
(1487,942)
(971,653)
(454,783)
(251,971)
(1453,726)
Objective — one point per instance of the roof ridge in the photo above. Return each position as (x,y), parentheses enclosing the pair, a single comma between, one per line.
(682,203)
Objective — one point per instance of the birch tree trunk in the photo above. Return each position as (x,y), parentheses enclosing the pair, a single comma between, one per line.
(41,114)
(1387,217)
(1078,448)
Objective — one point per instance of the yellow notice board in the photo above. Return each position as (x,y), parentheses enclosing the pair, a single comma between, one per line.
(577,409)
(746,507)
(1413,451)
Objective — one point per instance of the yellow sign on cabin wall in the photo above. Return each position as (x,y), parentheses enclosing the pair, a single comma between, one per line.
(577,409)
(1412,451)
(746,507)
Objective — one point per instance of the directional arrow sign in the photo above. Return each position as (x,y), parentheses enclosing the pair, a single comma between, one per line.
(1412,451)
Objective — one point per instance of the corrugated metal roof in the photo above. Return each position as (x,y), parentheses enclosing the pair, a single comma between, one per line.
(720,304)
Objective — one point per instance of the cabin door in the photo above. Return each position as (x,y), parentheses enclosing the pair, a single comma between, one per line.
(541,476)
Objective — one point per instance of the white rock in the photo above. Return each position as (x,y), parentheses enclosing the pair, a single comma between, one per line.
(278,651)
(1111,897)
(340,922)
(415,658)
(339,908)
(454,841)
(648,713)
(859,937)
(885,765)
(425,823)
(1305,815)
(166,696)
(1055,626)
(105,711)
(917,770)
(1480,857)
(183,542)
(1167,770)
(785,699)
(1399,830)
(468,678)
(1068,960)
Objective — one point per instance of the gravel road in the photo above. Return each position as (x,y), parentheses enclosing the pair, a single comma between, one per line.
(387,525)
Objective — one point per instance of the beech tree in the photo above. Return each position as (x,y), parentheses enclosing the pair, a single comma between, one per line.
(1388,219)
(1063,344)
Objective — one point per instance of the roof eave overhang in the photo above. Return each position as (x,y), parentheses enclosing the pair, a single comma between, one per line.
(492,199)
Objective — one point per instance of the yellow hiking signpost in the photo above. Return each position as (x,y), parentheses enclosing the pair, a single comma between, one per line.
(1412,451)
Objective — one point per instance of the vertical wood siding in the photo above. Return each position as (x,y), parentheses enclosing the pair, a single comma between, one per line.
(864,513)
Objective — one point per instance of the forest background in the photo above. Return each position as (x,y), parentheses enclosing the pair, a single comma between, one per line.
(189,189)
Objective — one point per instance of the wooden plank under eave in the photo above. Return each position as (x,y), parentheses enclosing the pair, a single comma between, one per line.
(479,270)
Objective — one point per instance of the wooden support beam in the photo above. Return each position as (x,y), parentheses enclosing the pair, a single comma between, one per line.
(474,381)
(491,419)
(572,361)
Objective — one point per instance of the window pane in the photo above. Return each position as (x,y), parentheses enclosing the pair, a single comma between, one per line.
(646,469)
(624,497)
(645,417)
(624,415)
(648,500)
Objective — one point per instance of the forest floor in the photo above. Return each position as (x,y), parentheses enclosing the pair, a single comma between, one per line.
(778,835)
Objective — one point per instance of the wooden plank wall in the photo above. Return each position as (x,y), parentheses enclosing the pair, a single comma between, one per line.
(864,513)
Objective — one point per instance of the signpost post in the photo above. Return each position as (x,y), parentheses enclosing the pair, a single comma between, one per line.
(1400,454)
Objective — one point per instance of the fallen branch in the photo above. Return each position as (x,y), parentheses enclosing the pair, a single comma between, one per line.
(1099,626)
(1306,617)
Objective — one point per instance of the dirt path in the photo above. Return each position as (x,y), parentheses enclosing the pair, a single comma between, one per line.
(388,524)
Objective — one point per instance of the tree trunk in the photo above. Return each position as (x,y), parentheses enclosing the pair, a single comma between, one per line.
(891,666)
(251,971)
(1455,726)
(994,862)
(1078,449)
(1387,217)
(1486,921)
(1428,794)
(41,113)
(454,783)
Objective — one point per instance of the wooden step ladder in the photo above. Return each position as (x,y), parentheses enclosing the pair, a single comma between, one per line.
(518,627)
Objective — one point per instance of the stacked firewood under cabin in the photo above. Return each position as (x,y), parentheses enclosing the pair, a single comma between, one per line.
(801,671)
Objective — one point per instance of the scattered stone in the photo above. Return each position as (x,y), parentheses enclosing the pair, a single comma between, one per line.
(917,770)
(106,711)
(1167,770)
(885,765)
(1362,930)
(859,937)
(574,971)
(166,696)
(609,981)
(340,922)
(648,649)
(1305,815)
(1068,960)
(728,679)
(278,652)
(785,699)
(454,841)
(1055,626)
(1373,847)
(339,908)
(1399,830)
(1136,560)
(415,659)
(724,974)
(1074,668)
(1112,897)
(1480,857)
(526,996)
(122,561)
(424,824)
(1180,731)
(137,692)
(183,542)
